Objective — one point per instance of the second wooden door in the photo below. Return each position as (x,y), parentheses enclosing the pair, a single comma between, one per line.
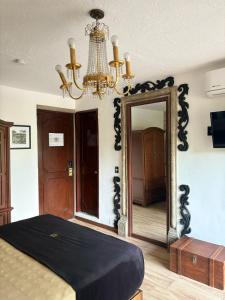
(87,162)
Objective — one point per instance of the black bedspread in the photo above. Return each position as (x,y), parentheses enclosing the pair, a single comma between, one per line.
(97,266)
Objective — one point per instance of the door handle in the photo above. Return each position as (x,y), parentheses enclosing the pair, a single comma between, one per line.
(70,172)
(70,168)
(194,259)
(95,172)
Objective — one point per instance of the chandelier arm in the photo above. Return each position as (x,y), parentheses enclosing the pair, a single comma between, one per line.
(121,93)
(71,96)
(74,80)
(114,86)
(117,79)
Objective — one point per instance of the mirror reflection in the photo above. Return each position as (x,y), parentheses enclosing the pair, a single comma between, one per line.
(148,171)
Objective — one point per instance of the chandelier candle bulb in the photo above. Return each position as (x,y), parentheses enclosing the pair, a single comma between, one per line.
(115,42)
(73,56)
(116,53)
(63,78)
(126,56)
(128,66)
(59,70)
(72,45)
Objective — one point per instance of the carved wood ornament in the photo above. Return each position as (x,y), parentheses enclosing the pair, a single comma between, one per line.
(116,200)
(183,120)
(183,117)
(185,214)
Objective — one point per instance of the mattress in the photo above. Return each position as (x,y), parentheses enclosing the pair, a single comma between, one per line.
(96,266)
(23,278)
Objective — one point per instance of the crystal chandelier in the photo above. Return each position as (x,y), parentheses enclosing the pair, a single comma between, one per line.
(102,77)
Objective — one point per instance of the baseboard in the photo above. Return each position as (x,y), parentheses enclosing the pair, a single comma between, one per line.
(152,241)
(97,224)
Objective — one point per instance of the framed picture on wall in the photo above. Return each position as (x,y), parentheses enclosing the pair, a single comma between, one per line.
(20,137)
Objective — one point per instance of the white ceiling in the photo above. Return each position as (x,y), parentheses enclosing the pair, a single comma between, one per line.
(164,37)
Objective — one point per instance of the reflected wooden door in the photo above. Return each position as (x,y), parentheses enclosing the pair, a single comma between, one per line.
(87,161)
(55,156)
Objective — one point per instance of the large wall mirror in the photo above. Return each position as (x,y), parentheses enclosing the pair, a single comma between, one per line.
(149,138)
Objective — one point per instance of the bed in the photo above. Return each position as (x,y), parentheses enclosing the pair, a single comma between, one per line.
(46,257)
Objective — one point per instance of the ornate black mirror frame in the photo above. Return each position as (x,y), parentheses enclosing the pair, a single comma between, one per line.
(183,117)
(183,120)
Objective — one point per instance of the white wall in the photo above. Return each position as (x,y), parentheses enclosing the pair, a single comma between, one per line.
(144,118)
(202,167)
(19,106)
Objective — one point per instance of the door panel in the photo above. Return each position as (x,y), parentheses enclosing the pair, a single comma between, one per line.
(2,169)
(55,186)
(4,217)
(87,161)
(4,172)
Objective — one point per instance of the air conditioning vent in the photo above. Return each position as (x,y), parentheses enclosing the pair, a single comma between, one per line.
(215,83)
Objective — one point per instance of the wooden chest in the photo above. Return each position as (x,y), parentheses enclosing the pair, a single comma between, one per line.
(201,261)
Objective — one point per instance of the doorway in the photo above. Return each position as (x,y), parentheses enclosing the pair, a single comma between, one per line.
(148,144)
(87,169)
(55,163)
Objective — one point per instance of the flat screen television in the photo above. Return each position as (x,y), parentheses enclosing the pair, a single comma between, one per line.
(218,128)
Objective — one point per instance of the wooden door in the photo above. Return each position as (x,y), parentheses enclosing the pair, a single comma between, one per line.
(87,162)
(5,203)
(137,167)
(3,192)
(154,160)
(55,155)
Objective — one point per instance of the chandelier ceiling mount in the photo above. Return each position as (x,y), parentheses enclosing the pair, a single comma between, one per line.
(97,14)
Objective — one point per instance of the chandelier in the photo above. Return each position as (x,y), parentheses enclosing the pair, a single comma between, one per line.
(102,77)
